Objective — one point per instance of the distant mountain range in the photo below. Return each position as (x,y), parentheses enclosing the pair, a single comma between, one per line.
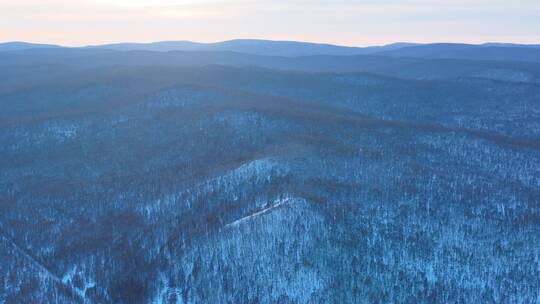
(501,62)
(17,46)
(57,60)
(250,46)
(258,47)
(487,51)
(468,51)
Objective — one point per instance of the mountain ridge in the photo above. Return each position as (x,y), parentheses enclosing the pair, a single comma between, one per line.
(280,48)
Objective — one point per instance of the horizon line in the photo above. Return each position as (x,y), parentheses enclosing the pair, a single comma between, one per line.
(268,40)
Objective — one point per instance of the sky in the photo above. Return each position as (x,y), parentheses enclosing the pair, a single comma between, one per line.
(344,22)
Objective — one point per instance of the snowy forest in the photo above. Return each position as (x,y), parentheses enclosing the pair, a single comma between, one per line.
(392,175)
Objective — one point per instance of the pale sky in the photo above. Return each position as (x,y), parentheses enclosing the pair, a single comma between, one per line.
(346,22)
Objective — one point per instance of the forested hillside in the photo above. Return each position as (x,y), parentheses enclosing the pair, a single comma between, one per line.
(222,177)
